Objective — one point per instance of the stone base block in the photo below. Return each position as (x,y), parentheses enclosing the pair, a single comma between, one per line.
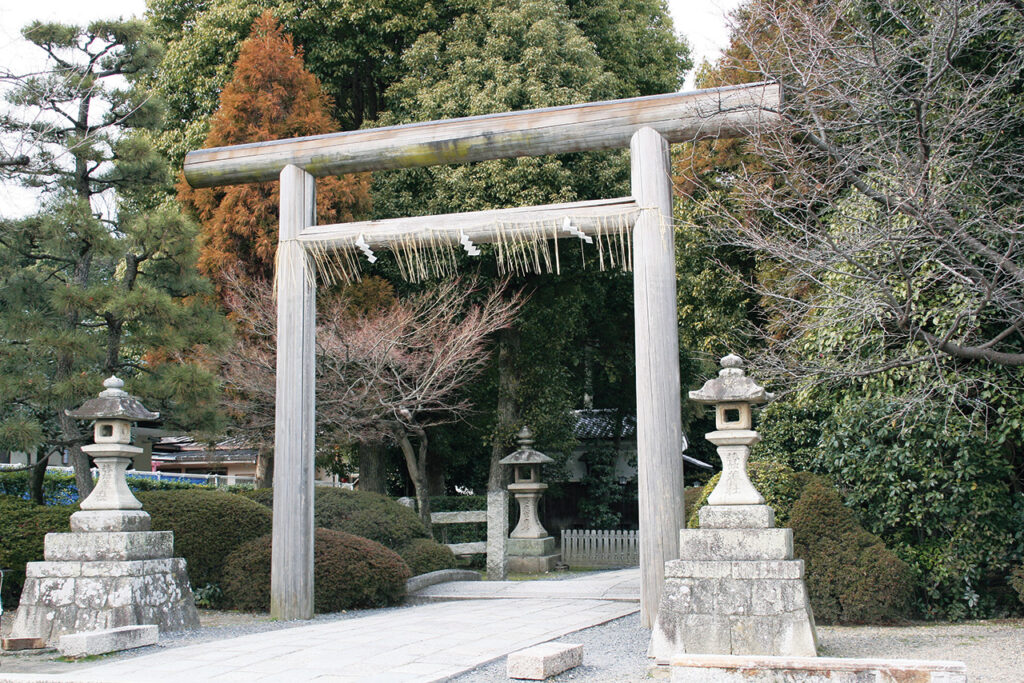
(735,544)
(88,521)
(740,607)
(111,640)
(531,546)
(542,661)
(108,546)
(71,597)
(732,669)
(736,517)
(529,564)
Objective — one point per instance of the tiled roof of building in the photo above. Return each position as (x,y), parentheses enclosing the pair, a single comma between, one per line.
(603,423)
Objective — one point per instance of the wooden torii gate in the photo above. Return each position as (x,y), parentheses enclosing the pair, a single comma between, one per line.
(645,124)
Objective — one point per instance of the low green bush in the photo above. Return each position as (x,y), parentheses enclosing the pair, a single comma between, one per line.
(851,576)
(425,555)
(348,572)
(23,525)
(208,526)
(360,513)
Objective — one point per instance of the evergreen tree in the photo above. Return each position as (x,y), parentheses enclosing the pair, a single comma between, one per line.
(92,284)
(270,96)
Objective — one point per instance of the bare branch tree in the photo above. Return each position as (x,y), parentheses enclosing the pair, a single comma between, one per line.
(888,210)
(386,375)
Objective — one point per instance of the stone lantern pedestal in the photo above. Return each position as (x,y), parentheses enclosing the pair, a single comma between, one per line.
(531,550)
(736,588)
(111,570)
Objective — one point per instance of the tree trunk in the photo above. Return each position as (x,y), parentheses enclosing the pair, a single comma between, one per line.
(36,478)
(416,461)
(372,470)
(265,468)
(79,460)
(435,476)
(497,480)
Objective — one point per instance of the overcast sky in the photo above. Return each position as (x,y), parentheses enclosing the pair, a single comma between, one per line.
(701,21)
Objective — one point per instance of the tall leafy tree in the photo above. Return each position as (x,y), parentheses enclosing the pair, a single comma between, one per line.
(353,47)
(92,284)
(270,96)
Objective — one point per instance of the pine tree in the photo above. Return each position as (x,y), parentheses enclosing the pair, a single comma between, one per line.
(92,284)
(271,96)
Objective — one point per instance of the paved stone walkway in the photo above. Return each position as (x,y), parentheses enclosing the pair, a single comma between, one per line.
(428,642)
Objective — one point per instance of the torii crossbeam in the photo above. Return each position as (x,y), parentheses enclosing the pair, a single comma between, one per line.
(645,124)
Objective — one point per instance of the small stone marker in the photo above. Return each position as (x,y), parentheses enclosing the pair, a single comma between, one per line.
(111,640)
(541,661)
(13,644)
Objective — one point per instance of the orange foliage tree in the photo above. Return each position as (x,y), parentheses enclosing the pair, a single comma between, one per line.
(270,97)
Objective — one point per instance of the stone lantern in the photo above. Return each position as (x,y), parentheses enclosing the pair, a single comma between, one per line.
(733,395)
(735,589)
(111,505)
(111,571)
(530,548)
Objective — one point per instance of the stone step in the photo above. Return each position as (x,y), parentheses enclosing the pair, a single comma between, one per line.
(542,661)
(750,669)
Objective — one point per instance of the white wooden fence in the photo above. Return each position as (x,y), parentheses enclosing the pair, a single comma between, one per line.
(600,548)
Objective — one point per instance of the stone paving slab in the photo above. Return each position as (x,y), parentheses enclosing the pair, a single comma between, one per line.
(428,642)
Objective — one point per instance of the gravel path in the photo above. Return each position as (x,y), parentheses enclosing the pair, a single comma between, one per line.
(993,650)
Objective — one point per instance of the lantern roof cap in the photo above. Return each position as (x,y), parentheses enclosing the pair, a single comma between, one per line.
(731,385)
(113,403)
(526,455)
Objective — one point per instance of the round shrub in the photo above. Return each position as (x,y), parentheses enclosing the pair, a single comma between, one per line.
(425,555)
(23,525)
(361,513)
(348,572)
(852,578)
(1017,581)
(208,526)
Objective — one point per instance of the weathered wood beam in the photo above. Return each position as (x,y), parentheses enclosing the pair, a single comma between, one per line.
(658,428)
(291,564)
(479,226)
(679,117)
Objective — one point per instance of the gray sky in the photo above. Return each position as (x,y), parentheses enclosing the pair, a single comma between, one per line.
(701,21)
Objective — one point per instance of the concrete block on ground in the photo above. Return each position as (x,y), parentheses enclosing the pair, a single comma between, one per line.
(736,517)
(542,661)
(109,640)
(440,576)
(15,644)
(695,668)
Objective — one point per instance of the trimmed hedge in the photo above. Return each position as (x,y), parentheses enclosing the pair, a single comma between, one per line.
(851,576)
(425,555)
(61,489)
(348,572)
(360,513)
(1017,581)
(23,525)
(208,526)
